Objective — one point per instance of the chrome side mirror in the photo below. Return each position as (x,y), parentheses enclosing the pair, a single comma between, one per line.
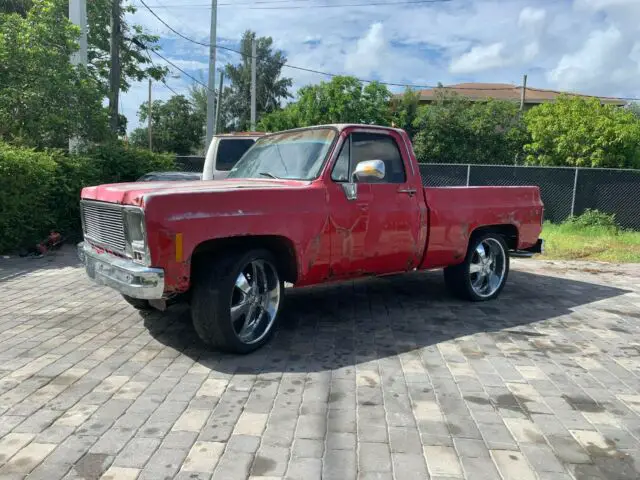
(350,190)
(369,170)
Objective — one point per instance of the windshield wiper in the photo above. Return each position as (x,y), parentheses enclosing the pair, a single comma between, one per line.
(268,174)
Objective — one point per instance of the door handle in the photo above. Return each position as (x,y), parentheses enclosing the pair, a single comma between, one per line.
(409,191)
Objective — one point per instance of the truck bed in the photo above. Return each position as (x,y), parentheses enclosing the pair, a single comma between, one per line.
(455,212)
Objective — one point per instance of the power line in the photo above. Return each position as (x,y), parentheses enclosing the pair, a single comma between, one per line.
(208,5)
(328,74)
(309,70)
(180,69)
(295,7)
(631,99)
(167,85)
(162,79)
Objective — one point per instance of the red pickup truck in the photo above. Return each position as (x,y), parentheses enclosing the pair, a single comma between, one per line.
(305,206)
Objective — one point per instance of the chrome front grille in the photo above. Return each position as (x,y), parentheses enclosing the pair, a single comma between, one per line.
(104,225)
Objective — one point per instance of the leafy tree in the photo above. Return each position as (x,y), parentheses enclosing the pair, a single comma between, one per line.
(271,89)
(285,119)
(634,107)
(375,99)
(342,100)
(134,44)
(44,100)
(455,129)
(198,98)
(176,126)
(20,7)
(136,63)
(122,125)
(577,131)
(404,110)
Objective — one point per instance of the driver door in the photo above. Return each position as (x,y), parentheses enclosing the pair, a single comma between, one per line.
(374,232)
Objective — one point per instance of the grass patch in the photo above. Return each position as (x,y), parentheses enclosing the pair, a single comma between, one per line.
(572,241)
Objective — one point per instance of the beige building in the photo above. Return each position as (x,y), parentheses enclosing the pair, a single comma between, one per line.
(505,91)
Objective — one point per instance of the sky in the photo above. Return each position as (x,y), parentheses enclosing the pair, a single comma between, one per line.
(587,46)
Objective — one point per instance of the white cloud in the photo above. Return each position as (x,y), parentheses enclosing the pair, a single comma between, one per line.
(578,45)
(599,54)
(369,52)
(604,4)
(187,64)
(607,59)
(480,58)
(531,17)
(531,51)
(635,54)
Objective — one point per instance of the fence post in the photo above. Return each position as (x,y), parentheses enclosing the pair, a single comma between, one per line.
(468,173)
(573,197)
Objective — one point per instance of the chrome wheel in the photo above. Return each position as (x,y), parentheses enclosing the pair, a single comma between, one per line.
(487,268)
(255,299)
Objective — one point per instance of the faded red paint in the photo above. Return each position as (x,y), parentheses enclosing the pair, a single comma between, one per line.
(457,211)
(381,232)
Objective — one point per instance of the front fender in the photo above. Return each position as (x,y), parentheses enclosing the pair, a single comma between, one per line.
(177,225)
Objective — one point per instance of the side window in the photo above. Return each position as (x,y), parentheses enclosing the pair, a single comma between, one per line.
(374,146)
(340,171)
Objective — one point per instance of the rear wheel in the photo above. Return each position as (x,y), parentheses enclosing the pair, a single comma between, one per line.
(236,301)
(137,303)
(483,273)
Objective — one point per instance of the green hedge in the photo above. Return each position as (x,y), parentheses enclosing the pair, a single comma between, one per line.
(40,191)
(26,181)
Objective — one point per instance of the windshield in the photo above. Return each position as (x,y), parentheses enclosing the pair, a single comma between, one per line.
(295,155)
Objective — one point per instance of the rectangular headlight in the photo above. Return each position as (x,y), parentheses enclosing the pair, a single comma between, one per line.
(135,235)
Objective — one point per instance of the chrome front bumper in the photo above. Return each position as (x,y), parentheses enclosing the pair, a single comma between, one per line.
(127,277)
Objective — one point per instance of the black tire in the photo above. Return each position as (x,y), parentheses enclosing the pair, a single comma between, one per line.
(458,277)
(211,300)
(138,304)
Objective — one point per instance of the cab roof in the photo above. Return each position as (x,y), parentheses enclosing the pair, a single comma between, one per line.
(240,134)
(342,126)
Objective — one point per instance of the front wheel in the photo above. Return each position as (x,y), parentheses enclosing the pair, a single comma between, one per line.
(483,273)
(236,300)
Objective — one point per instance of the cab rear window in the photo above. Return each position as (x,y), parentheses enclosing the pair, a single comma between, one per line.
(230,150)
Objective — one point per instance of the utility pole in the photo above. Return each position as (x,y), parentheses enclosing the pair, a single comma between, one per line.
(114,74)
(253,84)
(523,95)
(218,102)
(212,74)
(149,120)
(78,16)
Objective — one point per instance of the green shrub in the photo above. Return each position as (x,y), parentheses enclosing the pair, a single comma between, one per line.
(118,163)
(26,178)
(73,172)
(594,218)
(40,191)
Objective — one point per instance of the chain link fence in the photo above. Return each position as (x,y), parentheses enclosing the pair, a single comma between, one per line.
(564,191)
(611,191)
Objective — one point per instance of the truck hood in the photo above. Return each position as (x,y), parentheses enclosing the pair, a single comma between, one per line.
(137,193)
